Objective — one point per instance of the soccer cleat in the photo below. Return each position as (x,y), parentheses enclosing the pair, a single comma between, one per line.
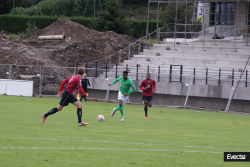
(43,118)
(82,124)
(146,116)
(113,112)
(123,117)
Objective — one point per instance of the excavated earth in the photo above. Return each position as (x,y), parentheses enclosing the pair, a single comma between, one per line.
(81,45)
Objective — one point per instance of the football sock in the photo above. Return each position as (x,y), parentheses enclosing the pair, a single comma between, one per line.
(117,108)
(81,98)
(79,114)
(52,111)
(121,110)
(146,111)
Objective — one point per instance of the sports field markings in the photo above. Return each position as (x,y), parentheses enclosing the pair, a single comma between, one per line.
(196,147)
(110,142)
(114,149)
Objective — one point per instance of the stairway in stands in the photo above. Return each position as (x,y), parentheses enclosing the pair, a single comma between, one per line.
(204,62)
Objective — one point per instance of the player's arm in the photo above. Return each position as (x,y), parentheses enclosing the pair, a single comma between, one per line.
(117,80)
(132,90)
(142,86)
(154,87)
(61,88)
(81,90)
(89,83)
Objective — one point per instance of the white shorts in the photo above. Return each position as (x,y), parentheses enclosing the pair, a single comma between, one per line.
(122,97)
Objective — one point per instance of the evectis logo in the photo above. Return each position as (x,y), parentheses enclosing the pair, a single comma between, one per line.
(229,156)
(236,156)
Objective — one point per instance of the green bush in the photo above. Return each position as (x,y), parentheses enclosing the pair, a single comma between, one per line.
(59,7)
(31,29)
(7,5)
(18,23)
(113,19)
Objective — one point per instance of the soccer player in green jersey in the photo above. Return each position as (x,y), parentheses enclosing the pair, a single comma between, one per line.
(124,92)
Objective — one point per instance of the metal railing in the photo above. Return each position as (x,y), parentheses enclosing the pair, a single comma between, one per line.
(117,57)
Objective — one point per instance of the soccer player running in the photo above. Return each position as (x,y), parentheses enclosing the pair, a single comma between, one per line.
(85,83)
(68,97)
(147,86)
(124,92)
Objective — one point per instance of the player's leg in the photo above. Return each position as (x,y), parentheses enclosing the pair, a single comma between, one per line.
(85,90)
(121,103)
(121,107)
(146,108)
(145,100)
(81,98)
(150,101)
(118,107)
(52,111)
(79,112)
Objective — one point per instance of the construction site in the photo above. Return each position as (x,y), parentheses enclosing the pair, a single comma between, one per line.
(202,66)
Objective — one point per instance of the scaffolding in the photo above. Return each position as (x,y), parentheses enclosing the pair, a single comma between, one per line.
(219,19)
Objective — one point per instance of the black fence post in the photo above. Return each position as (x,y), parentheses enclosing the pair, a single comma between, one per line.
(233,77)
(206,75)
(148,68)
(86,67)
(96,69)
(159,74)
(194,76)
(170,74)
(76,67)
(246,79)
(116,71)
(127,67)
(106,70)
(137,65)
(181,74)
(219,75)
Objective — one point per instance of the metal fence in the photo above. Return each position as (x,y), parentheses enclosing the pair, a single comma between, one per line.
(47,79)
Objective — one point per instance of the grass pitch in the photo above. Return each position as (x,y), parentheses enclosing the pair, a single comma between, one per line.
(169,137)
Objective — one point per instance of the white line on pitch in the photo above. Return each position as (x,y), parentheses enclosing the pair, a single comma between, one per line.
(116,149)
(110,142)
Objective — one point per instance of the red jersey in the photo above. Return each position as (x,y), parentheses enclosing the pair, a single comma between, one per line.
(72,83)
(149,84)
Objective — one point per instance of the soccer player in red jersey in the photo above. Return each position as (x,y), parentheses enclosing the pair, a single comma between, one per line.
(68,97)
(147,85)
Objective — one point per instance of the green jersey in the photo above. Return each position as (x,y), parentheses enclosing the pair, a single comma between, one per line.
(125,85)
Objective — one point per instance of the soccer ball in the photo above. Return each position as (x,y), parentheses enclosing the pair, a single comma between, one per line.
(100,118)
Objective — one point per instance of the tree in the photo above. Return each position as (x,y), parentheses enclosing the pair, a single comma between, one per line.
(111,19)
(168,13)
(7,5)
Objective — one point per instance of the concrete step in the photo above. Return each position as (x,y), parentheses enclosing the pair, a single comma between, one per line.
(199,48)
(191,54)
(194,62)
(148,58)
(190,67)
(218,42)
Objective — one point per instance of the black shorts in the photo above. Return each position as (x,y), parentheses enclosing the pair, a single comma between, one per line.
(67,98)
(148,98)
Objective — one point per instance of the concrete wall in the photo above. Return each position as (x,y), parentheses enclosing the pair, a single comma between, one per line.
(180,89)
(173,94)
(217,104)
(16,87)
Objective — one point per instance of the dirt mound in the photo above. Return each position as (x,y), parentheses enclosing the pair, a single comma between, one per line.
(81,44)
